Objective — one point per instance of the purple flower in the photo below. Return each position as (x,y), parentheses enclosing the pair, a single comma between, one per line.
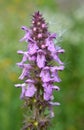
(54,73)
(25,55)
(25,71)
(32,48)
(47,91)
(55,55)
(59,50)
(27,34)
(40,58)
(50,43)
(25,29)
(23,65)
(56,58)
(23,86)
(28,89)
(45,74)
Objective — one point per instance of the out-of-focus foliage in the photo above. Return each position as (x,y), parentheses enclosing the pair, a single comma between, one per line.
(13,14)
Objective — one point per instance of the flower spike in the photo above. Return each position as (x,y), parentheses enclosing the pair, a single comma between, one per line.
(38,76)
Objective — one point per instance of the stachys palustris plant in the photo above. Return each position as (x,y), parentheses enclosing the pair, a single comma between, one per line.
(40,65)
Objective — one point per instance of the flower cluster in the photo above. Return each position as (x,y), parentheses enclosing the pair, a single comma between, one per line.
(40,65)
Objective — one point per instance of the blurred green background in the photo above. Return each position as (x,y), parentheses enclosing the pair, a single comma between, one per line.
(63,16)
